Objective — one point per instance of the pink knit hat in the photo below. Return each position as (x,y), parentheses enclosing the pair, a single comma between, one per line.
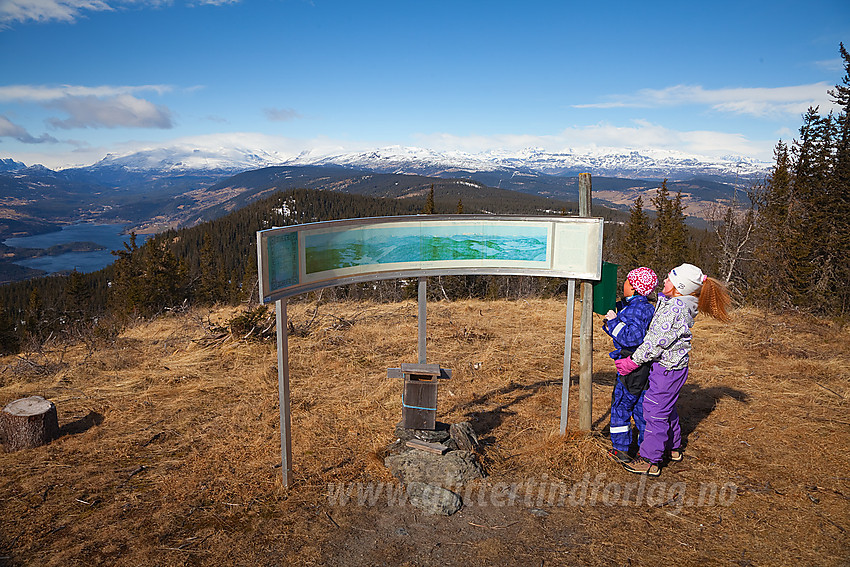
(643,280)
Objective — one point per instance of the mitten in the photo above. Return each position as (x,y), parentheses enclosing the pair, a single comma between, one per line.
(626,365)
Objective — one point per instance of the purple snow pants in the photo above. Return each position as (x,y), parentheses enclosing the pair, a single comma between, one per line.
(659,410)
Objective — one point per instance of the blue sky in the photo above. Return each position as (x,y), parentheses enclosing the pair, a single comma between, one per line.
(83,78)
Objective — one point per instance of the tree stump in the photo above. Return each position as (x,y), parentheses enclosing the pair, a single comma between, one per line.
(27,423)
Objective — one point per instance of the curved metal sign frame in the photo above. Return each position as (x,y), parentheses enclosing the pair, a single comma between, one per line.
(306,257)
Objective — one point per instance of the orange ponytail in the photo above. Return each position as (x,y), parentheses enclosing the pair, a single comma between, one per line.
(714,300)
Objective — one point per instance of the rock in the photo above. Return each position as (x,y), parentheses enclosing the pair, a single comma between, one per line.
(438,435)
(433,499)
(455,468)
(464,436)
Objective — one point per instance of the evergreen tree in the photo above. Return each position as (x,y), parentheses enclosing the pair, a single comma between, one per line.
(839,188)
(841,97)
(126,291)
(635,247)
(807,220)
(78,294)
(429,203)
(803,217)
(10,342)
(211,287)
(164,279)
(34,316)
(459,206)
(679,241)
(670,235)
(771,276)
(148,279)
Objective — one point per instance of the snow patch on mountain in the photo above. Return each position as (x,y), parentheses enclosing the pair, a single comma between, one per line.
(186,158)
(609,162)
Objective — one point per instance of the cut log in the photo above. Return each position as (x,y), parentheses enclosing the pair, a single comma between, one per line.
(27,423)
(464,437)
(435,448)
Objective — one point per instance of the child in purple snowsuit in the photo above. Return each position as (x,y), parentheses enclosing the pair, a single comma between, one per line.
(667,345)
(627,328)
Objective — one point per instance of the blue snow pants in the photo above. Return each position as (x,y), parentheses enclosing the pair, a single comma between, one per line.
(624,406)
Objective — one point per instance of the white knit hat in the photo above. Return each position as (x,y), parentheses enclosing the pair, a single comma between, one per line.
(687,278)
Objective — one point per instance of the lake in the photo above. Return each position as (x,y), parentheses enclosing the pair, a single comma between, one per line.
(108,235)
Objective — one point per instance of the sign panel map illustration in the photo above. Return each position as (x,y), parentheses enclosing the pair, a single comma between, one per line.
(304,257)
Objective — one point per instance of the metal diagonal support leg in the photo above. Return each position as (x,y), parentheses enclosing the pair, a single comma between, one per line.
(283,392)
(568,353)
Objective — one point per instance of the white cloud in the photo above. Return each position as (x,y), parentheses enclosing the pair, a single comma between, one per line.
(832,65)
(640,135)
(9,129)
(214,2)
(281,114)
(111,112)
(755,101)
(41,94)
(103,106)
(47,10)
(69,11)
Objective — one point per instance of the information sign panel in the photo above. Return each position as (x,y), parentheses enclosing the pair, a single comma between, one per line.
(301,258)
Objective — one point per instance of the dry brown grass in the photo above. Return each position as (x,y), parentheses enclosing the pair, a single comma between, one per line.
(170,453)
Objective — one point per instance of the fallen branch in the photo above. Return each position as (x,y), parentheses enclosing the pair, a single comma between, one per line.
(491,527)
(830,390)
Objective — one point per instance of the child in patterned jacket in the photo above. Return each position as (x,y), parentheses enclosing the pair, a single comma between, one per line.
(687,291)
(627,327)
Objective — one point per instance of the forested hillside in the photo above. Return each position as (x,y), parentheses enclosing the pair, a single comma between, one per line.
(215,262)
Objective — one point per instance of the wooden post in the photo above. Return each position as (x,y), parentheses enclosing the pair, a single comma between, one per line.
(568,354)
(283,392)
(585,391)
(28,423)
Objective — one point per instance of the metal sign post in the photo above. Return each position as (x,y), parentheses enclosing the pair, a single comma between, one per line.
(283,392)
(568,354)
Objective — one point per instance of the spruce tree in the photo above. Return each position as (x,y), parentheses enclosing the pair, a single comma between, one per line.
(429,202)
(635,247)
(164,280)
(10,342)
(803,231)
(126,292)
(679,241)
(839,188)
(670,235)
(77,293)
(771,279)
(34,315)
(806,220)
(211,287)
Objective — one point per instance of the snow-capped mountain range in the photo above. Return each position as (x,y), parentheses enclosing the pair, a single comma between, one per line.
(643,164)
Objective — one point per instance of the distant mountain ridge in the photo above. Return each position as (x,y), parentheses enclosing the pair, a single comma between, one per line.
(183,183)
(636,164)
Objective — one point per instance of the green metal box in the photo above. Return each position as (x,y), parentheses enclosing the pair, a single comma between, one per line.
(605,290)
